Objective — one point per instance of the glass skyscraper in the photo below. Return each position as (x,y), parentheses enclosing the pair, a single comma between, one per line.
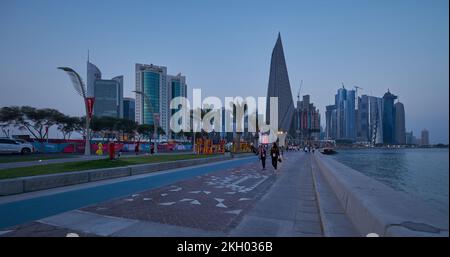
(350,121)
(128,108)
(108,93)
(388,118)
(160,88)
(400,130)
(345,114)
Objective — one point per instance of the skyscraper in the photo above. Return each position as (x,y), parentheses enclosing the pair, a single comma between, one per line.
(129,108)
(108,93)
(151,81)
(400,137)
(280,87)
(388,118)
(409,137)
(307,120)
(375,113)
(161,88)
(350,115)
(108,97)
(330,121)
(93,73)
(425,140)
(363,133)
(345,114)
(340,98)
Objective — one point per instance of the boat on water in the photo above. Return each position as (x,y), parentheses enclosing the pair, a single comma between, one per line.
(328,150)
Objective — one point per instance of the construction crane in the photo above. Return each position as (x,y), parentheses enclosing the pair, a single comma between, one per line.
(300,88)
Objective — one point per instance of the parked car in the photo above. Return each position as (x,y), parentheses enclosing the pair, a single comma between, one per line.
(15,146)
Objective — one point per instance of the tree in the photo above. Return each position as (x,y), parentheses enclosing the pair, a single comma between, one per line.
(148,131)
(103,125)
(67,125)
(125,126)
(235,106)
(80,127)
(38,121)
(9,116)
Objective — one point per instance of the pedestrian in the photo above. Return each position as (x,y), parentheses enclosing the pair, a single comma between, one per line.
(136,148)
(275,155)
(262,156)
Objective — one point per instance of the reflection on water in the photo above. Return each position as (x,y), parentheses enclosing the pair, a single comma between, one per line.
(422,173)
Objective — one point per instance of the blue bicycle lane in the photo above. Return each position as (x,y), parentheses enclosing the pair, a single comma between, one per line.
(22,211)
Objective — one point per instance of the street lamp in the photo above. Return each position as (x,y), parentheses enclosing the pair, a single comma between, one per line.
(79,86)
(155,116)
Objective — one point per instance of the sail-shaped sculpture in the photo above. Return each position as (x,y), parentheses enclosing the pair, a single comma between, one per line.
(280,87)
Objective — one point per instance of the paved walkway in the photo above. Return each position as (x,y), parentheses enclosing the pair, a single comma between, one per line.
(290,207)
(232,200)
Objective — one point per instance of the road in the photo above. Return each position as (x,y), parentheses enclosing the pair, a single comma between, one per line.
(229,198)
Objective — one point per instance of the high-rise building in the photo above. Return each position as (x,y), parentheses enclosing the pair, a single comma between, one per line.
(129,108)
(306,121)
(350,115)
(425,139)
(160,88)
(409,138)
(363,129)
(93,73)
(375,113)
(388,118)
(108,98)
(280,87)
(340,99)
(400,137)
(177,87)
(330,122)
(151,81)
(345,114)
(108,93)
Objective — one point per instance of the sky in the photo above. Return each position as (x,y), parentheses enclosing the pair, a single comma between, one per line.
(224,48)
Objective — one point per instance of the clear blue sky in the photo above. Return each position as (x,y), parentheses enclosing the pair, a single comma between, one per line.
(224,48)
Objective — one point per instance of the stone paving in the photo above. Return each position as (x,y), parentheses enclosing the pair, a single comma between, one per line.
(211,202)
(241,201)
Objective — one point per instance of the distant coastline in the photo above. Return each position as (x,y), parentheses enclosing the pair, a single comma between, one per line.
(357,146)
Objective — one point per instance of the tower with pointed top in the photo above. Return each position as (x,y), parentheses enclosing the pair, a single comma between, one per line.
(280,87)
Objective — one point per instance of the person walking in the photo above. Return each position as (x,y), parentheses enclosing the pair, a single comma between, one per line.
(275,155)
(262,156)
(136,148)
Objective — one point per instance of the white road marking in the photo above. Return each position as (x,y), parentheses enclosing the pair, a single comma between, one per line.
(167,204)
(195,202)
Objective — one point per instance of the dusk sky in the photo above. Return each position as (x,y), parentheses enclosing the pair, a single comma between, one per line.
(224,48)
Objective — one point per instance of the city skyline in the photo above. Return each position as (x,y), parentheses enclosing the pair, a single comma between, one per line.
(406,52)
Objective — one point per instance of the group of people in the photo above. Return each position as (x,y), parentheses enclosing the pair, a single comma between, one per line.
(274,155)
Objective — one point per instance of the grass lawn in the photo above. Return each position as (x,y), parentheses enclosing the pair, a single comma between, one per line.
(93,164)
(5,158)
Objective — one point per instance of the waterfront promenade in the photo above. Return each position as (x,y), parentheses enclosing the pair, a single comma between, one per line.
(227,198)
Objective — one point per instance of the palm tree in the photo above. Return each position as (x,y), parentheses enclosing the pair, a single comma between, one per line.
(235,106)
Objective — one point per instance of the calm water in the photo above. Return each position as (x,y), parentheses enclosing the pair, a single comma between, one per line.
(422,173)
